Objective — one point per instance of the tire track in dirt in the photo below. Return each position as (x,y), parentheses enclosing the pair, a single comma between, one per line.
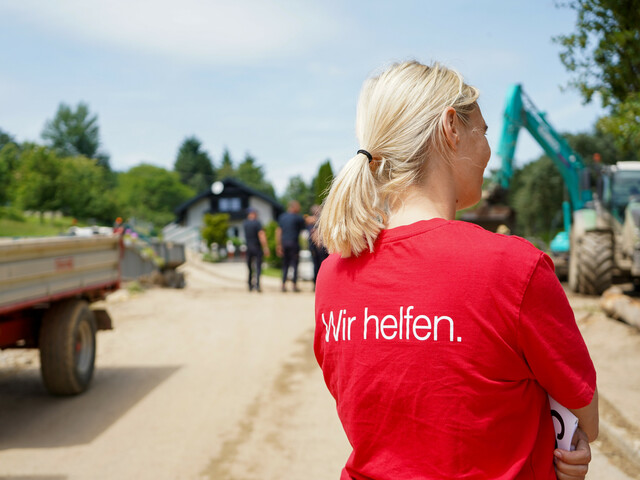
(619,439)
(266,417)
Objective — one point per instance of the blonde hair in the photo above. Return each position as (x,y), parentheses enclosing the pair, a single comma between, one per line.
(399,123)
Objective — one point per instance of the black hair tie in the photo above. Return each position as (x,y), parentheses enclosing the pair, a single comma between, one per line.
(366,154)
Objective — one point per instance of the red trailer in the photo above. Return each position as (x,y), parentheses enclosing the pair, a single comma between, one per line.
(47,286)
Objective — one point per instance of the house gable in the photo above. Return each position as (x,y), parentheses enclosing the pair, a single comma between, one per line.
(234,199)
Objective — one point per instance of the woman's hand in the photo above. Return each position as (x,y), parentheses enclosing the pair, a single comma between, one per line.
(573,465)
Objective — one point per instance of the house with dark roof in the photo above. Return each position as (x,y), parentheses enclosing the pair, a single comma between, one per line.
(227,196)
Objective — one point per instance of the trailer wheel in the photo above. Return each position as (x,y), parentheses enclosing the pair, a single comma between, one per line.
(173,279)
(67,347)
(594,269)
(181,281)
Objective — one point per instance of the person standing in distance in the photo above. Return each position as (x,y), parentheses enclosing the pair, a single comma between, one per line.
(460,335)
(256,247)
(318,252)
(290,224)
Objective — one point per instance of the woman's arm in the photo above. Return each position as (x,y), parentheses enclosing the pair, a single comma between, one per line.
(279,241)
(588,418)
(575,464)
(262,236)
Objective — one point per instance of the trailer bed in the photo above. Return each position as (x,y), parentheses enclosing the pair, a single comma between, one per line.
(37,270)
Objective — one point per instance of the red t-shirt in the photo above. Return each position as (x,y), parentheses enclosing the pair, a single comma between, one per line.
(440,348)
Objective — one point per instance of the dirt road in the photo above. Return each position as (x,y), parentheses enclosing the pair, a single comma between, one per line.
(214,382)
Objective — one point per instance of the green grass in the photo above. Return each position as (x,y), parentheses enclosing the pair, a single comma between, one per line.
(272,272)
(134,287)
(32,227)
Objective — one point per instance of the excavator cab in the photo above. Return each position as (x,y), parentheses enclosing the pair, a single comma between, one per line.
(619,185)
(618,189)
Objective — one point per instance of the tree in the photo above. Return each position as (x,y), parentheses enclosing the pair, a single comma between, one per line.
(226,166)
(75,132)
(5,138)
(604,56)
(601,142)
(248,172)
(33,177)
(270,231)
(151,193)
(536,194)
(9,161)
(215,229)
(81,193)
(5,180)
(252,175)
(297,189)
(36,178)
(194,166)
(322,182)
(624,124)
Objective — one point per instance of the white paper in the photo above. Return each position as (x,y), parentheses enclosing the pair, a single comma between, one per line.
(564,424)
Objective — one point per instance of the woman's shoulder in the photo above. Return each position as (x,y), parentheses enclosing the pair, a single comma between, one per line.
(484,246)
(508,259)
(498,239)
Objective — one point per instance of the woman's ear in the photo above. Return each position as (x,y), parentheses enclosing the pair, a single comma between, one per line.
(449,121)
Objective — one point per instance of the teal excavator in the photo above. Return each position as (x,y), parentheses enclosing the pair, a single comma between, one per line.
(601,236)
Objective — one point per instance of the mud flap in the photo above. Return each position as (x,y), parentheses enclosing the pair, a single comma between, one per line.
(103,320)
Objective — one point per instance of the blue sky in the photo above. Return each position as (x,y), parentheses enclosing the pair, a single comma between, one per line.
(277,79)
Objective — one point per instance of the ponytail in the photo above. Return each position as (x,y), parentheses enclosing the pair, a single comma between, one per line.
(351,218)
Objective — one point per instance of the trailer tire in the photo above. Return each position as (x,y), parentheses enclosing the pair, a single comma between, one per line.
(67,347)
(595,262)
(180,283)
(169,278)
(173,279)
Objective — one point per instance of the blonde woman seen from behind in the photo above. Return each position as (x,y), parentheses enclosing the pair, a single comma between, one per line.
(440,341)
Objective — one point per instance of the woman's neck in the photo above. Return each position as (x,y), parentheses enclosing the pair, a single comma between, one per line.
(430,199)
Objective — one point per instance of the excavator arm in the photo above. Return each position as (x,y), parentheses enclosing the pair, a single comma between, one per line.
(587,234)
(520,112)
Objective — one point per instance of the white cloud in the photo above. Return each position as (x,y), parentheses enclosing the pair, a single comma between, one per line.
(205,32)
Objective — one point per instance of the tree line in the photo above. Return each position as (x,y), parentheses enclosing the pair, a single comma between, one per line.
(69,172)
(603,57)
(73,176)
